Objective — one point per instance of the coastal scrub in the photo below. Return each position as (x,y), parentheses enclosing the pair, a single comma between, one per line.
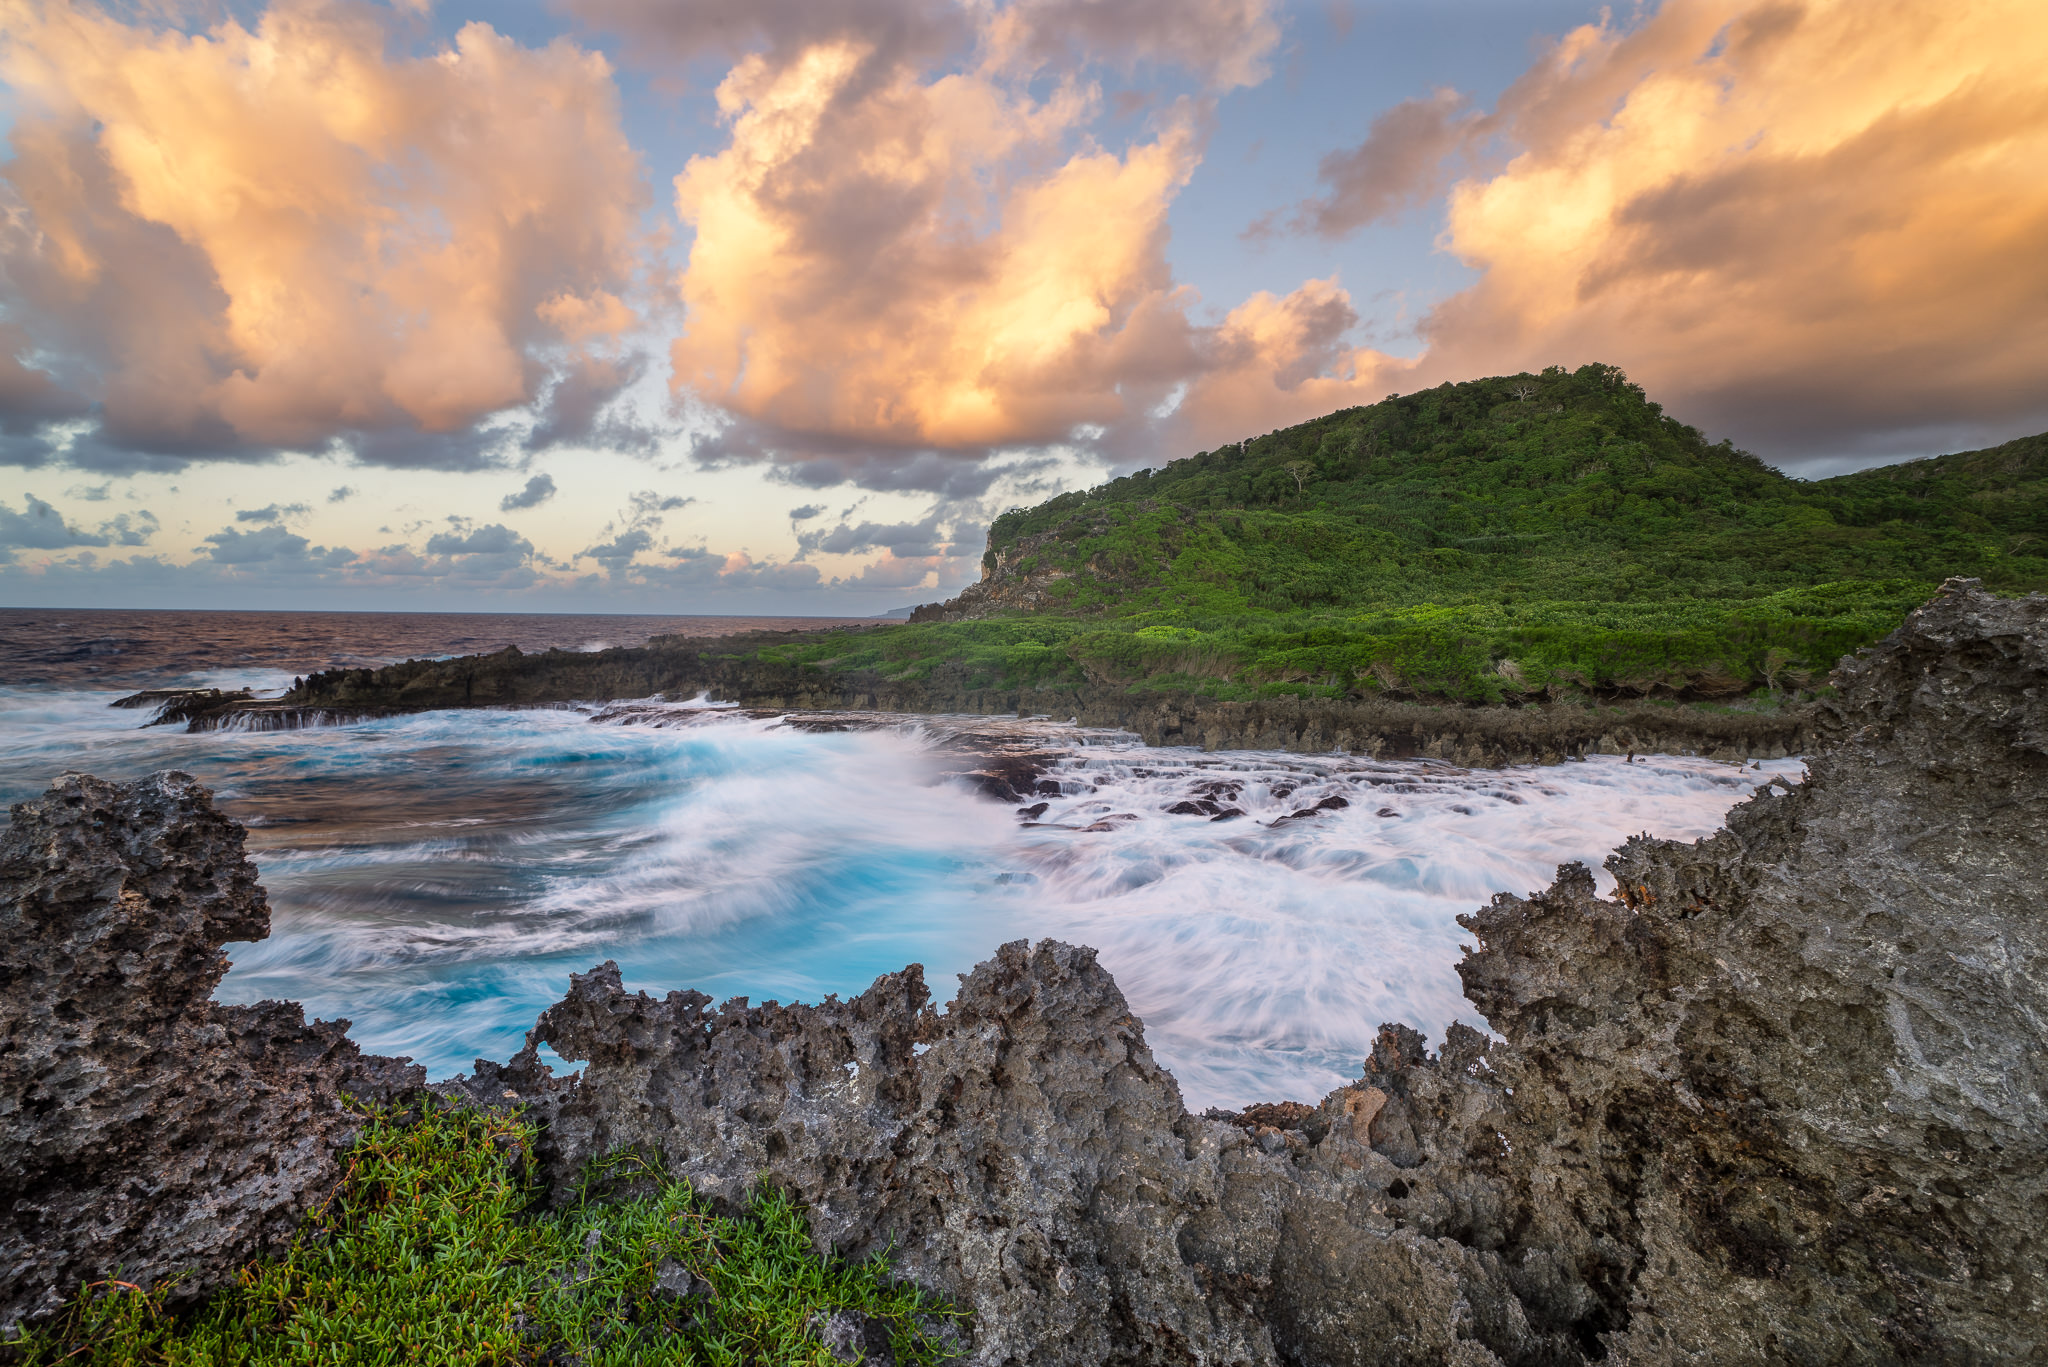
(432,1251)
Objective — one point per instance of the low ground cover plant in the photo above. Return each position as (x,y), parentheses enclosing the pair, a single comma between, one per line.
(433,1251)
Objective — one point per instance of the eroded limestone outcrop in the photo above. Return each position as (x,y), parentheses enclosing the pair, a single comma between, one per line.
(142,1126)
(1783,1099)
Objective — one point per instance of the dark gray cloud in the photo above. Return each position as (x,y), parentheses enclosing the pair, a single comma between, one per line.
(806,513)
(130,529)
(538,490)
(616,554)
(276,548)
(646,506)
(276,512)
(578,408)
(40,527)
(903,539)
(341,493)
(491,539)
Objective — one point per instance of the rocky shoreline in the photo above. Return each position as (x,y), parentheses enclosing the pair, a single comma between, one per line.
(680,668)
(1782,1100)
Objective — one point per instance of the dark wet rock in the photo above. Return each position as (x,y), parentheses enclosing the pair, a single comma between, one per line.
(173,705)
(141,1124)
(1328,804)
(1034,811)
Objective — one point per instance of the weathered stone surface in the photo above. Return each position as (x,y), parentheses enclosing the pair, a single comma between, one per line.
(1020,1152)
(1782,1099)
(142,1126)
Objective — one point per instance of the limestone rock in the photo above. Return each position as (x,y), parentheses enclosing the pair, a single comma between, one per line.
(142,1126)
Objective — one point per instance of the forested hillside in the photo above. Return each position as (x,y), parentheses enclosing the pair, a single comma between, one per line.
(1511,538)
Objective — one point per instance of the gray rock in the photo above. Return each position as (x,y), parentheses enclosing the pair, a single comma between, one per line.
(142,1125)
(674,1282)
(1020,1153)
(850,1336)
(1779,1100)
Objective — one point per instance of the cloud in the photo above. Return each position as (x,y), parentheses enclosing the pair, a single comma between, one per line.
(892,571)
(615,555)
(1816,227)
(538,490)
(280,236)
(341,493)
(276,512)
(40,527)
(1400,163)
(805,513)
(130,529)
(858,274)
(646,506)
(1225,43)
(275,548)
(900,538)
(493,539)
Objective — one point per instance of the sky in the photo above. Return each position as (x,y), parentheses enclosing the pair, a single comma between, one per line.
(748,306)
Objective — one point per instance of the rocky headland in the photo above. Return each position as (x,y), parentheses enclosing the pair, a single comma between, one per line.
(727,669)
(1781,1099)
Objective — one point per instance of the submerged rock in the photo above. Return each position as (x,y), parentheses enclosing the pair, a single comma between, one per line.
(1780,1100)
(142,1126)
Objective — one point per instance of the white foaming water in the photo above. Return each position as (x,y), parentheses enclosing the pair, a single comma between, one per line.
(436,878)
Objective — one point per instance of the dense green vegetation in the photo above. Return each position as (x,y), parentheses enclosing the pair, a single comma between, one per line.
(1504,539)
(431,1253)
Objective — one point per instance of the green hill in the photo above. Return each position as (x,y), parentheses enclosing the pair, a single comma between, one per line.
(1506,539)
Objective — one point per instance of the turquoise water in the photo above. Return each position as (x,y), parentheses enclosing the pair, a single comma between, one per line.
(435,879)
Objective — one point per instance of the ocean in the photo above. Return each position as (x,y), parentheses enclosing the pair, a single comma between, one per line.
(435,879)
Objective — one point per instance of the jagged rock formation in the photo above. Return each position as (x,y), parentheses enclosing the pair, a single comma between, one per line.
(1021,1152)
(142,1126)
(1782,1100)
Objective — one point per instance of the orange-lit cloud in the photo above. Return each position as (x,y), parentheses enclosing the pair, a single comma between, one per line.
(861,270)
(1809,224)
(269,237)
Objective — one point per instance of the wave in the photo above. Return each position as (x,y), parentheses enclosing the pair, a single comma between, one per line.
(435,878)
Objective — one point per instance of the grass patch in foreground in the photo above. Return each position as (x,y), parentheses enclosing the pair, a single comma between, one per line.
(430,1252)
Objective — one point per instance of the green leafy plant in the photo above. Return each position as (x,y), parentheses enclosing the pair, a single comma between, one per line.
(431,1252)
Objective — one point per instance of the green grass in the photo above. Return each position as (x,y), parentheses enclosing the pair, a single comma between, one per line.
(431,1252)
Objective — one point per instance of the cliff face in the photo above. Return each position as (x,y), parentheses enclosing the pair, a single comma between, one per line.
(1781,1100)
(143,1126)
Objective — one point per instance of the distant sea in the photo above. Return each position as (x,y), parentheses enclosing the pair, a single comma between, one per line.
(435,879)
